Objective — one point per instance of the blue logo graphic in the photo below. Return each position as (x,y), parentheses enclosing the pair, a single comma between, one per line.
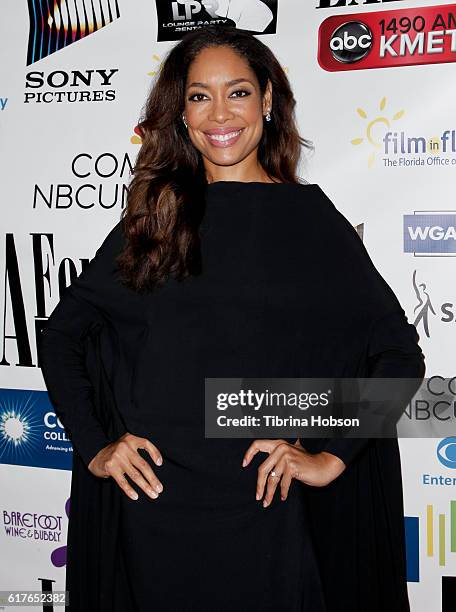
(446,452)
(30,432)
(432,233)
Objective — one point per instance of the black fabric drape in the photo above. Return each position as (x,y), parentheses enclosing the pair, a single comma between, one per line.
(287,289)
(95,576)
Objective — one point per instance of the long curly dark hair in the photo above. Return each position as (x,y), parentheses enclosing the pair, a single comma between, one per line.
(165,198)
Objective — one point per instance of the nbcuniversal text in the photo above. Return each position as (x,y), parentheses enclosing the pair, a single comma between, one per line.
(329,407)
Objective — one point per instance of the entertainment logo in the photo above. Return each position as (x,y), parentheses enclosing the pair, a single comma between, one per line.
(446,452)
(424,307)
(428,234)
(55,25)
(176,18)
(383,39)
(396,148)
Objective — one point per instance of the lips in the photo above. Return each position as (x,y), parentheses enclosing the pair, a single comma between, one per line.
(222,137)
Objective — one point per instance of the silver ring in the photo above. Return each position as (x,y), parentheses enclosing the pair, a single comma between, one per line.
(273,473)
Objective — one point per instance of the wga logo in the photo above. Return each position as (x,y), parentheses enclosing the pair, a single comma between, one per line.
(428,234)
(446,452)
(424,306)
(59,23)
(375,130)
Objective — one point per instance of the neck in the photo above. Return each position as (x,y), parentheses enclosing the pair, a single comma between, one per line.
(256,173)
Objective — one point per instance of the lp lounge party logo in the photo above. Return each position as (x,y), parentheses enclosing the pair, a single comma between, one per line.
(177,17)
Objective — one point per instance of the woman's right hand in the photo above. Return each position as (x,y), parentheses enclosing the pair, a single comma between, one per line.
(121,458)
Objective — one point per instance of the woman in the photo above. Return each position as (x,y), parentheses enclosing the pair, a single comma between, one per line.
(208,274)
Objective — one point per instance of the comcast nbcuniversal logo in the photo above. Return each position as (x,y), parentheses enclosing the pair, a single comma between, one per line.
(375,130)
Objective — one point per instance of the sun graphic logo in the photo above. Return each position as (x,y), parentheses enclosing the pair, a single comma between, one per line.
(20,426)
(14,428)
(375,131)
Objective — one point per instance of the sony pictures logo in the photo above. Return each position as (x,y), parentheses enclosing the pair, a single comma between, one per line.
(351,42)
(446,452)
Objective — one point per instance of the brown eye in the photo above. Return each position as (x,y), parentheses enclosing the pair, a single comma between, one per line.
(241,91)
(191,98)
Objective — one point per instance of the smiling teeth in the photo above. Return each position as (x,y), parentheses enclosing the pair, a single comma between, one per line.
(223,137)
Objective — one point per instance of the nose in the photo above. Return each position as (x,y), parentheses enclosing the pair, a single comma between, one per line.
(220,109)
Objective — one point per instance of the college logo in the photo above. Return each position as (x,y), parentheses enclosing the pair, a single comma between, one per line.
(56,25)
(383,39)
(177,17)
(446,452)
(430,233)
(30,432)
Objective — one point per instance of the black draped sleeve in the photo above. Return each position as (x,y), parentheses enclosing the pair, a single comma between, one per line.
(392,349)
(79,312)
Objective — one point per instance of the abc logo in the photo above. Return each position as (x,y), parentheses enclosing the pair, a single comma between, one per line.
(446,452)
(350,42)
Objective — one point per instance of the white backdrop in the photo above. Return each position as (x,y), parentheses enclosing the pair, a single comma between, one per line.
(65,150)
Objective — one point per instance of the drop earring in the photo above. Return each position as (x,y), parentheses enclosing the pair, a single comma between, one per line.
(268,116)
(183,119)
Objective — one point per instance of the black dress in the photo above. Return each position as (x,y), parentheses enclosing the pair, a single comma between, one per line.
(287,290)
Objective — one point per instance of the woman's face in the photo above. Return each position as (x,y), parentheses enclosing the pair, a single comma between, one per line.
(224,109)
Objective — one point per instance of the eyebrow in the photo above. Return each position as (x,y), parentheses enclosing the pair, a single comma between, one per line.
(227,83)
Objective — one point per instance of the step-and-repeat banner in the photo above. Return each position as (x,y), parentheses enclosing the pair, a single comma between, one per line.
(375,84)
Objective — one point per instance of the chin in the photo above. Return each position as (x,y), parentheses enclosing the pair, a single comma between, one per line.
(227,160)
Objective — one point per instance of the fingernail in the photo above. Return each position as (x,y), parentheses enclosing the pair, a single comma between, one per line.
(152,493)
(159,461)
(244,462)
(134,495)
(159,488)
(265,503)
(258,496)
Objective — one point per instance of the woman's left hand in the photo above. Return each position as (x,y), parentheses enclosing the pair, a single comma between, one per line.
(287,461)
